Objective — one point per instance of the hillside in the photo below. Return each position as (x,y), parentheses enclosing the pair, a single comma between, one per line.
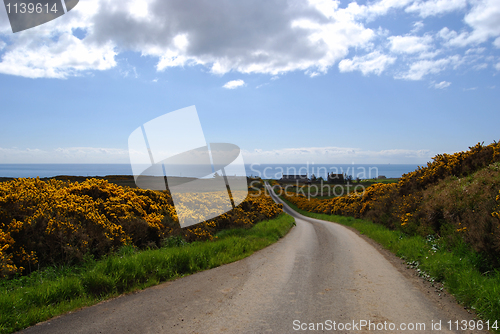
(455,197)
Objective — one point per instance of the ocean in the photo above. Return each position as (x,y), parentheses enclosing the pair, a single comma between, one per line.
(267,171)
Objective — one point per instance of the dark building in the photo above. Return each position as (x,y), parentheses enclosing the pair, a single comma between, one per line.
(335,178)
(295,178)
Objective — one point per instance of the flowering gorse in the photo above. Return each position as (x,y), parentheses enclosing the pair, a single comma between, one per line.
(51,222)
(461,207)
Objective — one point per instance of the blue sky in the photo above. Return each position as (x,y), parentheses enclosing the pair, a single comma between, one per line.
(391,81)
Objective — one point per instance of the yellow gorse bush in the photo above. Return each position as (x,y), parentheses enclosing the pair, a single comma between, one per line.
(59,222)
(401,200)
(354,204)
(457,164)
(417,206)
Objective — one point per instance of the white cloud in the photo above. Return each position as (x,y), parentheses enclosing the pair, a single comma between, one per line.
(435,7)
(285,155)
(417,26)
(64,155)
(481,66)
(447,34)
(326,7)
(483,19)
(442,85)
(497,66)
(312,74)
(340,155)
(496,42)
(374,62)
(475,51)
(60,59)
(376,9)
(422,68)
(140,9)
(234,84)
(334,39)
(410,44)
(270,37)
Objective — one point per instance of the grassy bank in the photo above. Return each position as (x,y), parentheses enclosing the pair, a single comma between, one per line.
(455,197)
(45,294)
(456,266)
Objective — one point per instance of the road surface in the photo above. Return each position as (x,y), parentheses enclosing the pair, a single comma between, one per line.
(319,276)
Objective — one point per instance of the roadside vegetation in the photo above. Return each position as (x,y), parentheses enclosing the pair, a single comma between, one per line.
(26,300)
(55,222)
(456,197)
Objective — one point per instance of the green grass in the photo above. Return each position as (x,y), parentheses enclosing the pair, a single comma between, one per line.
(45,294)
(458,268)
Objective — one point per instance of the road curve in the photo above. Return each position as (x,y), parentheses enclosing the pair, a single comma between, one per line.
(321,272)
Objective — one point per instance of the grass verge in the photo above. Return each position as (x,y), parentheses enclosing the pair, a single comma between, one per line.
(456,268)
(42,295)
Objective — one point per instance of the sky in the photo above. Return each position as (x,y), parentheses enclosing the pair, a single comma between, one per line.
(297,81)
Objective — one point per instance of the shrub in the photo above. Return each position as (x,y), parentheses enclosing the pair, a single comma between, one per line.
(60,222)
(456,196)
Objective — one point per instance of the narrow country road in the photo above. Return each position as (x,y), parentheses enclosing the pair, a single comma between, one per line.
(320,272)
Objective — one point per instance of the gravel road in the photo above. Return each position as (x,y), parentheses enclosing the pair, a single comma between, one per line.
(319,275)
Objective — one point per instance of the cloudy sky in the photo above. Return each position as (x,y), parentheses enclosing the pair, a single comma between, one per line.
(324,81)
